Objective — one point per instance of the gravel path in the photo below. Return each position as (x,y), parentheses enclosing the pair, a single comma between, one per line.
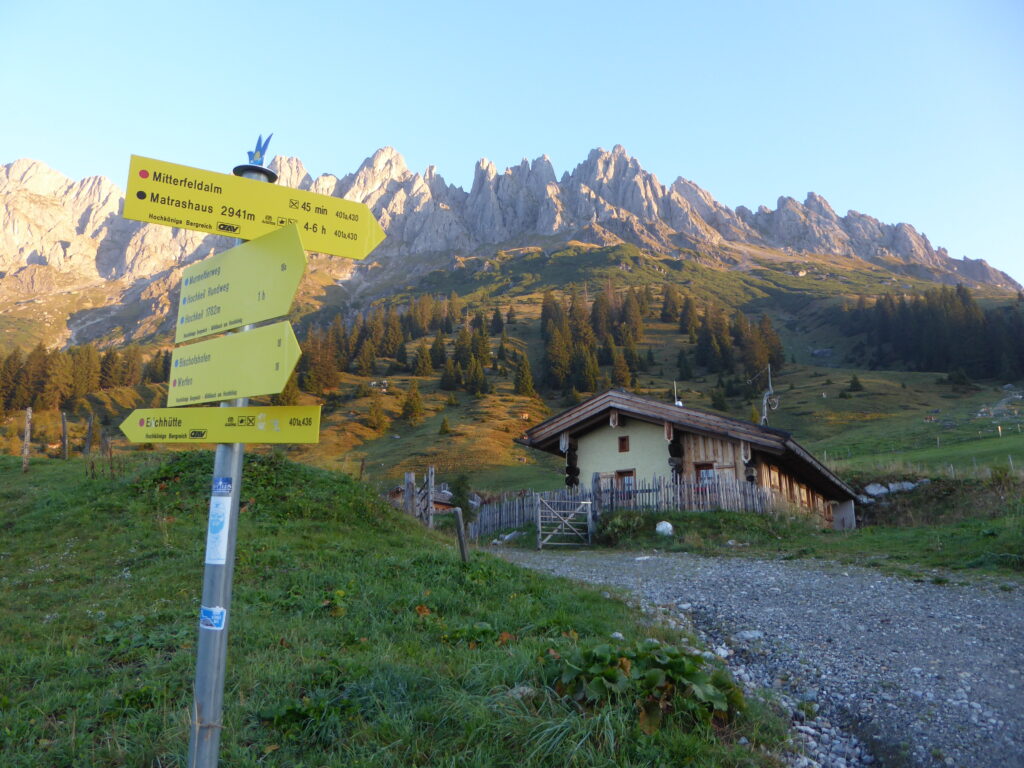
(902,673)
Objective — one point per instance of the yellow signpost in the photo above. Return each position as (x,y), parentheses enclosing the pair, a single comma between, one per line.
(257,362)
(253,282)
(180,196)
(251,424)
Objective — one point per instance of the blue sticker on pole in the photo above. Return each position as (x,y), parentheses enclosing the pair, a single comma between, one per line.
(212,618)
(222,486)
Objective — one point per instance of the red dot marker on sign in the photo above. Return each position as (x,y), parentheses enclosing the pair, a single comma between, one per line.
(142,422)
(144,174)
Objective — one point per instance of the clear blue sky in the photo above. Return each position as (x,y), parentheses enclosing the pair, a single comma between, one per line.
(906,111)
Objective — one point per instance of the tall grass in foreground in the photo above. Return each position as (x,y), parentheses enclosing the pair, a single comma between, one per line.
(356,637)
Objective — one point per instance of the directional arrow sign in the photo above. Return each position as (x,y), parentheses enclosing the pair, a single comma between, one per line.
(179,196)
(253,424)
(257,362)
(253,282)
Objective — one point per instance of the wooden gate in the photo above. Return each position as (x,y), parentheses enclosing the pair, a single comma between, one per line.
(563,523)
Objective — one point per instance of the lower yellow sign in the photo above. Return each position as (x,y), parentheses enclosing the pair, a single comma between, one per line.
(252,424)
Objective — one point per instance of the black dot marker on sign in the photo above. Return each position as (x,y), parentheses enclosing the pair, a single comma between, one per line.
(140,195)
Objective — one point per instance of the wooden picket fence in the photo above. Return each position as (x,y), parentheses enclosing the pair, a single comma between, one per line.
(520,509)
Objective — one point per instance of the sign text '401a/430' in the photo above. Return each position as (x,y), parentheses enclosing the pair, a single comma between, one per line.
(250,424)
(179,196)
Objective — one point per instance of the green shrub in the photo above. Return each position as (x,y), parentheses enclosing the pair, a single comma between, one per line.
(661,680)
(621,525)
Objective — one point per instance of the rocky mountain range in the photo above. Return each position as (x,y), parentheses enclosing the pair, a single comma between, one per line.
(59,235)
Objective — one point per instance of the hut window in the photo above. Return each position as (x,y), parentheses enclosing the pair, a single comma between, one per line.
(624,444)
(705,473)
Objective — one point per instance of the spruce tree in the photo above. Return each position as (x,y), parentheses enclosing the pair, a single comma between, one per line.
(449,376)
(620,369)
(523,383)
(671,304)
(412,406)
(438,354)
(497,324)
(422,365)
(376,417)
(290,394)
(59,381)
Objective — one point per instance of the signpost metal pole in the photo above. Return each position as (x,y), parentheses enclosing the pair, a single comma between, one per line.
(211,656)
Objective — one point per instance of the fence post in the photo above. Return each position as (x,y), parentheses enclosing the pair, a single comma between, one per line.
(28,438)
(64,435)
(461,533)
(430,497)
(409,497)
(536,503)
(87,448)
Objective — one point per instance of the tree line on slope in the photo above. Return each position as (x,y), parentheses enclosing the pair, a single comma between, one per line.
(942,329)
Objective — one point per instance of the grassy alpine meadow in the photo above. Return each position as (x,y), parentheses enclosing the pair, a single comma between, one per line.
(357,638)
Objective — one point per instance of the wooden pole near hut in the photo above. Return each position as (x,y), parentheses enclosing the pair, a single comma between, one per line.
(28,438)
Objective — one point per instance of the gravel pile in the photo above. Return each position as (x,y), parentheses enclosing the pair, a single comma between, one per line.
(876,670)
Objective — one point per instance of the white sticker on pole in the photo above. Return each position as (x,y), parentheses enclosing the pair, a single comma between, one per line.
(217,530)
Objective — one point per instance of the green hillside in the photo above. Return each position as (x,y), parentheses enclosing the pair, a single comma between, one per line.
(357,637)
(821,309)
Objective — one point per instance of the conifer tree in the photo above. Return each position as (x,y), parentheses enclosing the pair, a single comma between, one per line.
(476,382)
(9,370)
(422,365)
(438,354)
(497,324)
(366,359)
(110,369)
(632,326)
(290,394)
(557,359)
(601,316)
(412,406)
(58,383)
(585,371)
(463,350)
(688,318)
(482,347)
(620,370)
(85,369)
(131,366)
(685,369)
(671,304)
(376,417)
(449,376)
(523,382)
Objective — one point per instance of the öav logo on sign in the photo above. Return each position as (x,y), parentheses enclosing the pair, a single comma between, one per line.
(223,226)
(197,434)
